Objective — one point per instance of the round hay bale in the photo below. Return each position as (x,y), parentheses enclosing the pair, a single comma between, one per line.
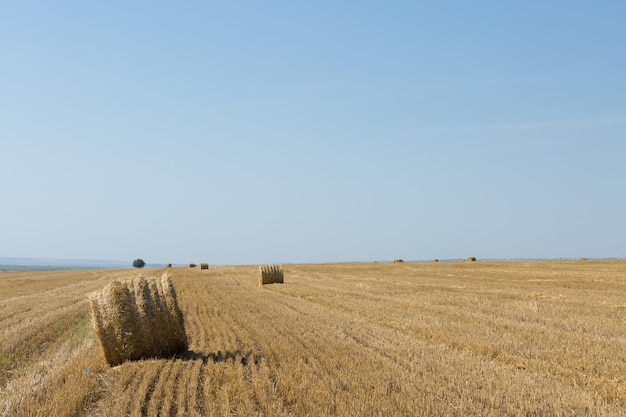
(397,261)
(204,266)
(138,318)
(113,320)
(435,260)
(271,274)
(471,259)
(192,265)
(168,265)
(177,340)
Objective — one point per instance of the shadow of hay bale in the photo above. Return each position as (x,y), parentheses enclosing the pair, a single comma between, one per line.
(236,356)
(138,318)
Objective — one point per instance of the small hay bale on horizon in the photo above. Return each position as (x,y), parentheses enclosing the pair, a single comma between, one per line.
(204,265)
(397,261)
(138,318)
(168,265)
(471,259)
(435,260)
(192,265)
(271,274)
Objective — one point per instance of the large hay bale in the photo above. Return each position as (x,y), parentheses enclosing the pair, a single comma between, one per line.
(192,265)
(397,261)
(138,318)
(204,266)
(271,274)
(471,259)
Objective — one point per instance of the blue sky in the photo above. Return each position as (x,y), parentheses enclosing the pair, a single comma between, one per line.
(260,132)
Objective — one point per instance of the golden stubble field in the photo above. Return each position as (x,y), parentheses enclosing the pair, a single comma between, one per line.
(379,339)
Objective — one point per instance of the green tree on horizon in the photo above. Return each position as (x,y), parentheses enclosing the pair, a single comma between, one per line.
(139,263)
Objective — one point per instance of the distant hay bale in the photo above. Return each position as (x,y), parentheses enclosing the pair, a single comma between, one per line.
(396,261)
(168,266)
(271,274)
(204,266)
(192,265)
(435,260)
(471,259)
(138,318)
(583,259)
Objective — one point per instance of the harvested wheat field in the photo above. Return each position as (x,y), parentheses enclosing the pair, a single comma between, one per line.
(410,339)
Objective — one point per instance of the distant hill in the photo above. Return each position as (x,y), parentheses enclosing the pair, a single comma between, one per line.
(25,264)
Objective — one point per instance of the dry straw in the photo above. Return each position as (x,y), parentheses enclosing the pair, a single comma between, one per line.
(138,318)
(271,274)
(204,266)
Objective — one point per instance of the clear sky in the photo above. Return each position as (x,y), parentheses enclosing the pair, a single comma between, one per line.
(258,132)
